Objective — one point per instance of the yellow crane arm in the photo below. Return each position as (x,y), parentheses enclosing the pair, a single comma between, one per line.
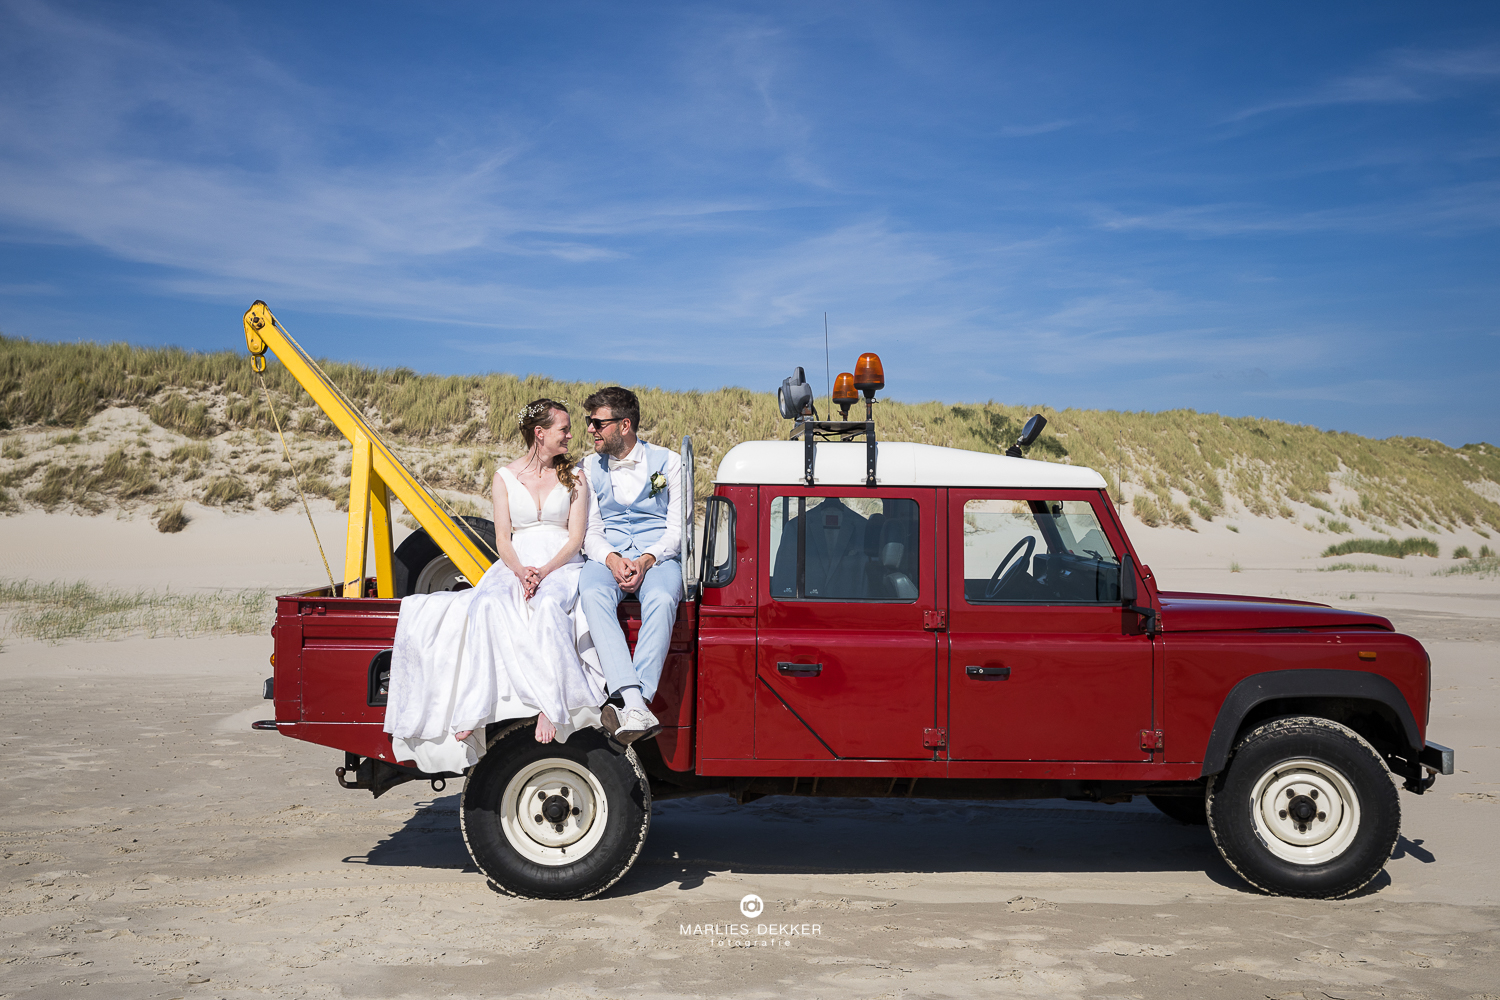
(375,472)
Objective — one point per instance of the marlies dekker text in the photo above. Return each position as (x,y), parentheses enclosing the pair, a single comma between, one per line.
(744,930)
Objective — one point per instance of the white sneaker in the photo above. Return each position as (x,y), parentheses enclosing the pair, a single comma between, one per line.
(636,724)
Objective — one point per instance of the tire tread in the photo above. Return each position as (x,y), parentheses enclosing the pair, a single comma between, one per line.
(1287,727)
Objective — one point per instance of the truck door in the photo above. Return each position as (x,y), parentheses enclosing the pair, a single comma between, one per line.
(1043,663)
(845,665)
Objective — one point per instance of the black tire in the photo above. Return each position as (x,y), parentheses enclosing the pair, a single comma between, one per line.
(1284,763)
(515,762)
(417,552)
(1189,809)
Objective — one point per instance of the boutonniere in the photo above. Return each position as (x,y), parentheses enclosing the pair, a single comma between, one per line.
(658,483)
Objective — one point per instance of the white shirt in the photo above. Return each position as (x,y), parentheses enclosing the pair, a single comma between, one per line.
(628,477)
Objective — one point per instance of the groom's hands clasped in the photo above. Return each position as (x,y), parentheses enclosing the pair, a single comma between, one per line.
(629,573)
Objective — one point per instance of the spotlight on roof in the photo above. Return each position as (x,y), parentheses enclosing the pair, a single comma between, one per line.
(795,395)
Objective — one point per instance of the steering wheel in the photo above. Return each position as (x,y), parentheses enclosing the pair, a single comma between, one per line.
(1007,569)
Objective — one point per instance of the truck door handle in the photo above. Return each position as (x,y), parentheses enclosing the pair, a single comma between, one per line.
(988,673)
(800,669)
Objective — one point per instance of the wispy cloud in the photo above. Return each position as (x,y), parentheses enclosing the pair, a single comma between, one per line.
(1022,131)
(1453,209)
(687,190)
(1404,76)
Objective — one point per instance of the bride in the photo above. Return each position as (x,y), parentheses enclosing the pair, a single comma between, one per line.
(508,648)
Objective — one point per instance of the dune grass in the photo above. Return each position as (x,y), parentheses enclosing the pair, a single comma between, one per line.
(1482,566)
(1349,567)
(171,519)
(1176,466)
(1385,547)
(223,490)
(54,612)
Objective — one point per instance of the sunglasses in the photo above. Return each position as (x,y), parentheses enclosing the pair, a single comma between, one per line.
(598,425)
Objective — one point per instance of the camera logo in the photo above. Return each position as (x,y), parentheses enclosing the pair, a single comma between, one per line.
(752,906)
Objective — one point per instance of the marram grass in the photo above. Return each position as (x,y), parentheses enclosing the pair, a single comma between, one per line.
(1385,547)
(54,612)
(1207,459)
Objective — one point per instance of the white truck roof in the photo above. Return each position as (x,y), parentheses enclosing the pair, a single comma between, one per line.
(898,463)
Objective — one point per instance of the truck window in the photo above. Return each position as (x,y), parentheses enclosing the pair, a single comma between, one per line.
(844,549)
(1037,552)
(718,542)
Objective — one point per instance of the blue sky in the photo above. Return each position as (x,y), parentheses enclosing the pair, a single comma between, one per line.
(1282,210)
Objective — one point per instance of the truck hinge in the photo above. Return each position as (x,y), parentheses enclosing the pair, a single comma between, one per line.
(1152,739)
(934,738)
(935,621)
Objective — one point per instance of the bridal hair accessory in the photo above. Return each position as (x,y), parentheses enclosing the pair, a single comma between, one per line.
(534,410)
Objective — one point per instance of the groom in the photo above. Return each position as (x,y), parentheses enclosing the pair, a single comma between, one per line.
(633,542)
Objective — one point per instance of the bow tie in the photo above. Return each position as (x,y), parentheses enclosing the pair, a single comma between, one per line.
(622,463)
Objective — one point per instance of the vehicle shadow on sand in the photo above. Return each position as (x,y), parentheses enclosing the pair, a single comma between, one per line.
(431,838)
(693,838)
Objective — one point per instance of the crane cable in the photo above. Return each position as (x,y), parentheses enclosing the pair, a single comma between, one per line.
(375,435)
(296,480)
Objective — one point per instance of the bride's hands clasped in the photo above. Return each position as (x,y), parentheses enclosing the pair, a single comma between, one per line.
(531,579)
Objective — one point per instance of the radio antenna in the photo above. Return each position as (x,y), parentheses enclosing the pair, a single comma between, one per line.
(827,366)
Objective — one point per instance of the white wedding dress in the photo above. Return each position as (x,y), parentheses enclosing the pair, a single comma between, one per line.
(464,659)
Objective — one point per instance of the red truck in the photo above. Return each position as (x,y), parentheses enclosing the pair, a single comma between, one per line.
(894,619)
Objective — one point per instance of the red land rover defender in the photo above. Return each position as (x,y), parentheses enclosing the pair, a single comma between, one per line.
(896,619)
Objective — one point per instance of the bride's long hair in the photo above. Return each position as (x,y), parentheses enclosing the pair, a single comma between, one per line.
(541,413)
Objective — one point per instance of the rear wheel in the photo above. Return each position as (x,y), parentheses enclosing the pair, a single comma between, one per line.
(420,567)
(555,820)
(1306,807)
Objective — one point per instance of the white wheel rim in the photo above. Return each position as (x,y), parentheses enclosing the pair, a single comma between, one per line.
(530,804)
(1305,811)
(438,575)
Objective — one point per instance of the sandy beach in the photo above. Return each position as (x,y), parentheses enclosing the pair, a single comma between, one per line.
(156,846)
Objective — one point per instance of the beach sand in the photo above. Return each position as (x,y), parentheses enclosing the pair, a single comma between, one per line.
(155,846)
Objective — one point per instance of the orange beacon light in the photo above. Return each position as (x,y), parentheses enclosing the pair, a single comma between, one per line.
(844,393)
(869,376)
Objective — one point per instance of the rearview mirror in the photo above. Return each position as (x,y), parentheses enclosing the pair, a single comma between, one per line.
(1127,580)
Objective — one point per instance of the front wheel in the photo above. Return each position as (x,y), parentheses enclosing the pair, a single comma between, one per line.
(555,820)
(1306,807)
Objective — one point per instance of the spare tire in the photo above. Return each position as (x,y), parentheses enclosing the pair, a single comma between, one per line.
(423,568)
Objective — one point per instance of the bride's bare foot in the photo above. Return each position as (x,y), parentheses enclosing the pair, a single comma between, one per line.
(546,732)
(463,735)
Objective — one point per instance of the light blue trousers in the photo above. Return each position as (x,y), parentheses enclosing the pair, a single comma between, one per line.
(660,593)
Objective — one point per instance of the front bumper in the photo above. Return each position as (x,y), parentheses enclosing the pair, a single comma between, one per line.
(1437,758)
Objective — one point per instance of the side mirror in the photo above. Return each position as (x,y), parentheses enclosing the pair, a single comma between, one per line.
(1032,430)
(794,396)
(1029,433)
(1127,580)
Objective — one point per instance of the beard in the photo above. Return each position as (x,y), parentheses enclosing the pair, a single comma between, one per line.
(612,445)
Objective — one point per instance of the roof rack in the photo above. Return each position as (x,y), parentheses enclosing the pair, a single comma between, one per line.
(845,430)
